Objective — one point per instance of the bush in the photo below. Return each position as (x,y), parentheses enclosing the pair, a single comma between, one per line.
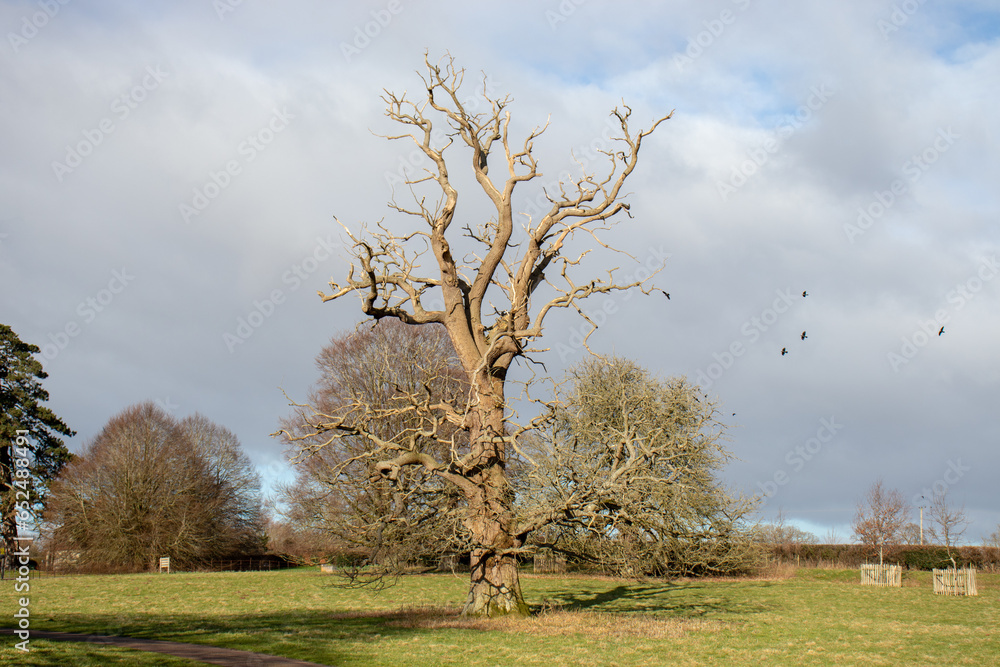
(925,557)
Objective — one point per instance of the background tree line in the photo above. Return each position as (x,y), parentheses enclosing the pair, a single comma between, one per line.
(149,485)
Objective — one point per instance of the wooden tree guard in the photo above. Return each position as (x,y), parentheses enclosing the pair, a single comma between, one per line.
(881,575)
(955,581)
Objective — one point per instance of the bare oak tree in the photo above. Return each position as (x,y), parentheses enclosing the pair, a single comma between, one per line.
(880,519)
(479,284)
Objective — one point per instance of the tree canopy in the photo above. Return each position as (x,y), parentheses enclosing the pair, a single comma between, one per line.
(625,472)
(25,420)
(148,486)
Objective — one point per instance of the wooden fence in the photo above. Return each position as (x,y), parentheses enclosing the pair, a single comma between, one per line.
(549,562)
(881,575)
(953,581)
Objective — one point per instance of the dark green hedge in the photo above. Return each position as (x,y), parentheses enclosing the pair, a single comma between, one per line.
(911,557)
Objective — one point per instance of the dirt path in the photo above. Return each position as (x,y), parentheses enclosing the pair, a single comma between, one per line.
(209,654)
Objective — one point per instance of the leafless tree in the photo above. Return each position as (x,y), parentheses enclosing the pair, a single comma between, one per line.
(910,535)
(780,532)
(473,278)
(232,505)
(994,538)
(150,486)
(394,522)
(302,544)
(950,523)
(880,518)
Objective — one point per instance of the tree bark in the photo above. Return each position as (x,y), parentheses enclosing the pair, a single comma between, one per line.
(494,587)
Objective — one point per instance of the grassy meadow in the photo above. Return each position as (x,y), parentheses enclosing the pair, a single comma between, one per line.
(804,616)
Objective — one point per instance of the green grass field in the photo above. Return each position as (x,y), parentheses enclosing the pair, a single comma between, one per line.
(812,617)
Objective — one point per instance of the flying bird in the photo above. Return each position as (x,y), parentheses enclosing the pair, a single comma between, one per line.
(784,351)
(804,336)
(666,294)
(805,294)
(941,331)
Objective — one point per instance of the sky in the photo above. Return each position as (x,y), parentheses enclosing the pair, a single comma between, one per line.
(170,174)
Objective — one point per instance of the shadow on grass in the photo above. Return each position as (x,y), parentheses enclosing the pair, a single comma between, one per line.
(316,636)
(682,600)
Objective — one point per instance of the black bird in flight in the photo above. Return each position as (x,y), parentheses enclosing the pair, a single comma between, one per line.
(804,294)
(941,331)
(666,294)
(804,336)
(784,351)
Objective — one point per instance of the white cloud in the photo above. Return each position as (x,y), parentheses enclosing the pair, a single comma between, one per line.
(783,228)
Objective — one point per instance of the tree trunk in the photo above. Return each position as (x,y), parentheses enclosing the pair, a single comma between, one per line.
(494,587)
